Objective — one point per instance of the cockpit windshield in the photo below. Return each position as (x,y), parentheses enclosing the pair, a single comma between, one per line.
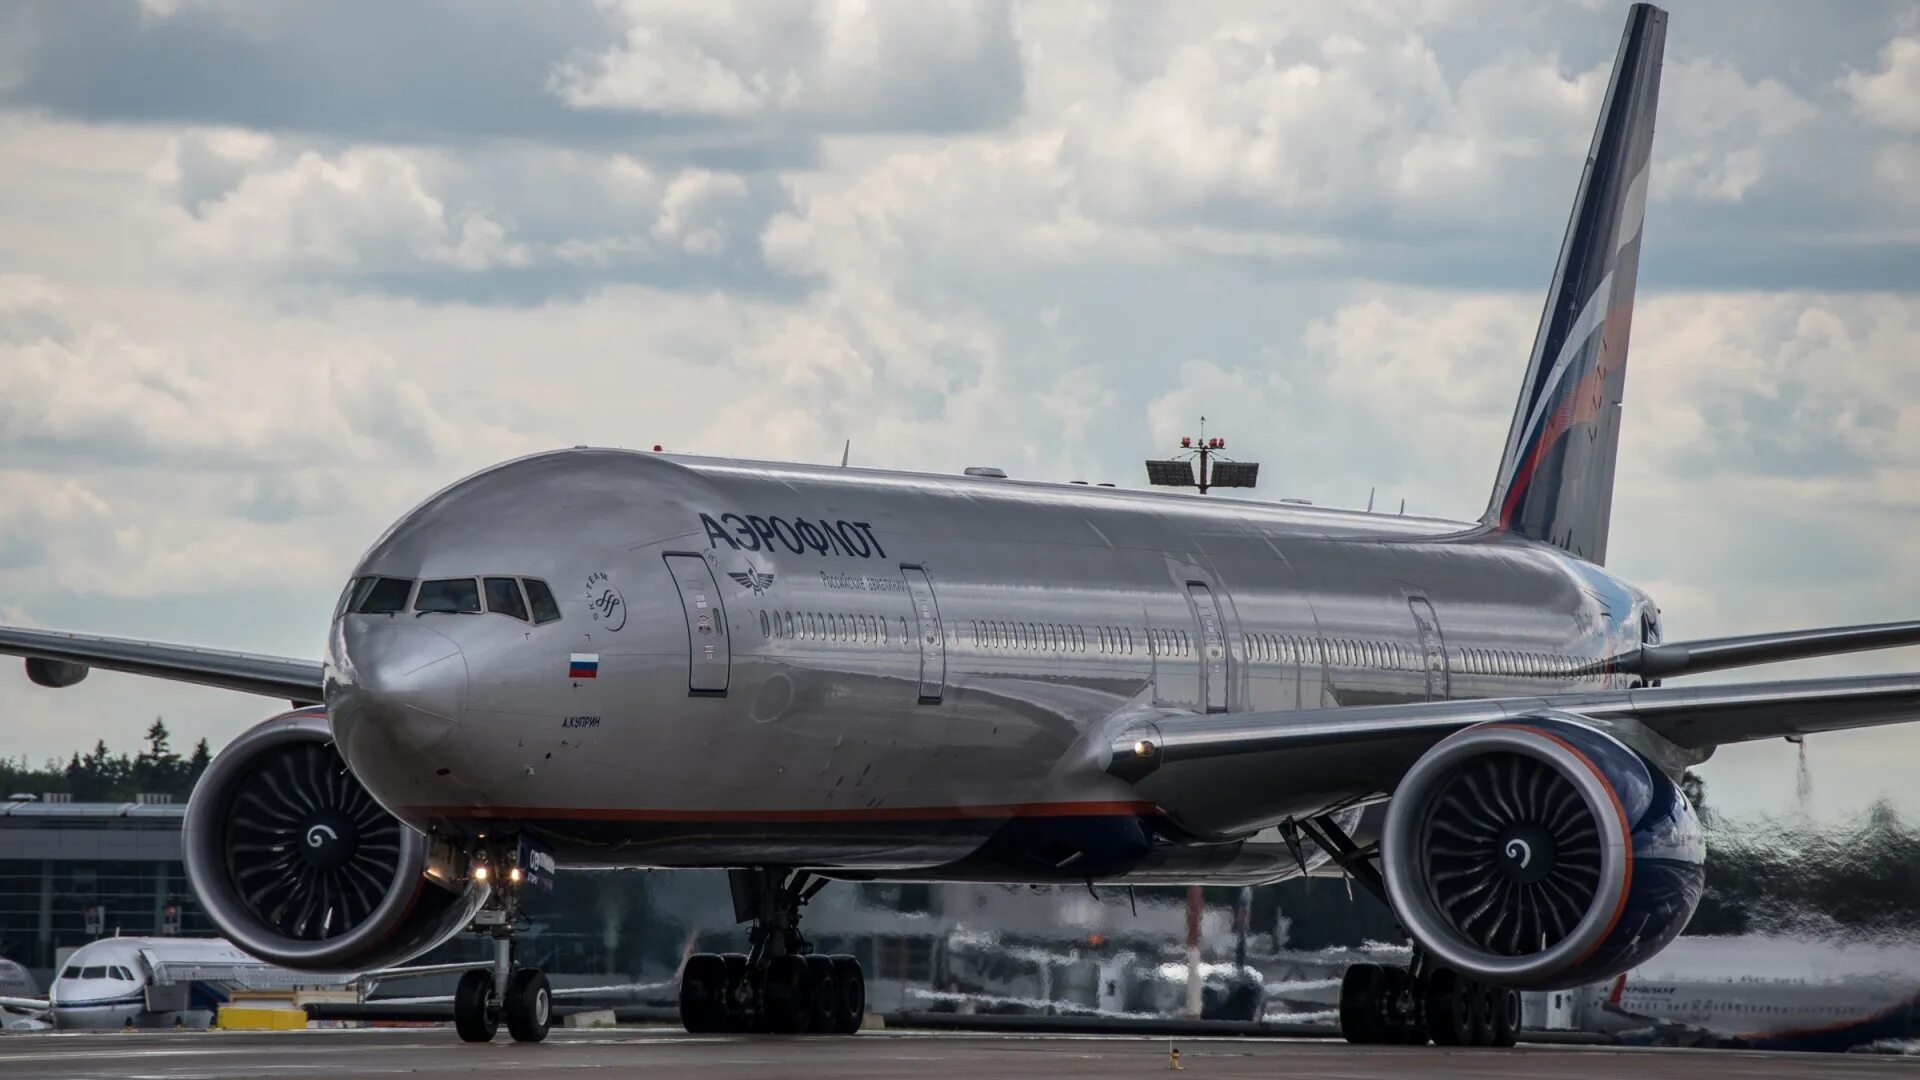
(448,594)
(383,596)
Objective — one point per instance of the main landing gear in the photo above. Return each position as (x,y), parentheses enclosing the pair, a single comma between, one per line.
(1390,1005)
(780,984)
(521,996)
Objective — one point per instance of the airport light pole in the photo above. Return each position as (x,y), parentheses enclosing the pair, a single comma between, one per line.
(1215,469)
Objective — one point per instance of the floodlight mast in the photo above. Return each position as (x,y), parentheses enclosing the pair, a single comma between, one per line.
(1216,469)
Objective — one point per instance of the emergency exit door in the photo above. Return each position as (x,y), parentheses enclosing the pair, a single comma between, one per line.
(708,657)
(1214,659)
(933,641)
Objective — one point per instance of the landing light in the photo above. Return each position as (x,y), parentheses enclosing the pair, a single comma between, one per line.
(480,873)
(513,875)
(1143,748)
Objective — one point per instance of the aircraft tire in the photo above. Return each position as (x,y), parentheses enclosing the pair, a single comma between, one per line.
(1361,989)
(850,1004)
(1483,1008)
(1505,1015)
(1450,1005)
(701,1010)
(789,995)
(738,997)
(473,1014)
(529,1006)
(824,997)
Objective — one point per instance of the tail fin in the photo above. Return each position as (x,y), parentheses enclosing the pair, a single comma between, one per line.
(1556,480)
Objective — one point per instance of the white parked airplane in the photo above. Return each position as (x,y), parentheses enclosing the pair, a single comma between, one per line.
(1762,993)
(152,982)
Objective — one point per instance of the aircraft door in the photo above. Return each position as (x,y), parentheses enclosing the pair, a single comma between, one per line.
(933,641)
(1433,649)
(708,656)
(1212,641)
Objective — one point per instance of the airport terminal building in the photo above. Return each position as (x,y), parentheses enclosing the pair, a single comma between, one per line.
(71,872)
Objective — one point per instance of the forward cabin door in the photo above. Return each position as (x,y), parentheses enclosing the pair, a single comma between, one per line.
(1433,649)
(1211,639)
(709,659)
(933,641)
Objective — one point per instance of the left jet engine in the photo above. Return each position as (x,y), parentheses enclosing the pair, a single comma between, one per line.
(297,864)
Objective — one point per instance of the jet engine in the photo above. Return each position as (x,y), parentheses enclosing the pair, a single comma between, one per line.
(297,864)
(1541,853)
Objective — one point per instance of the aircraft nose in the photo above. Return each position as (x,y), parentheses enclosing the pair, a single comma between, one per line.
(397,686)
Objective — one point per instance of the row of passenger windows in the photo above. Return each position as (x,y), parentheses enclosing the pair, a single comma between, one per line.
(995,634)
(1502,662)
(829,626)
(526,599)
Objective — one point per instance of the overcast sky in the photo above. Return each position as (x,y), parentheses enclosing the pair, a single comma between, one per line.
(272,273)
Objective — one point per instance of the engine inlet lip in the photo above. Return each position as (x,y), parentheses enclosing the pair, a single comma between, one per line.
(1406,870)
(206,865)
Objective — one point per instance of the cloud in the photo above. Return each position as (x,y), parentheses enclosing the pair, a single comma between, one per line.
(1889,97)
(830,64)
(1721,134)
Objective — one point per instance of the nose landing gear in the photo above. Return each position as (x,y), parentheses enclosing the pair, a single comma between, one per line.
(780,984)
(521,996)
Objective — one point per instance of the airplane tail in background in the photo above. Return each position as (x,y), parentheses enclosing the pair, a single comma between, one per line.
(1556,478)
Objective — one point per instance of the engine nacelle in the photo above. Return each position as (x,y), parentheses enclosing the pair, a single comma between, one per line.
(57,674)
(1540,854)
(298,865)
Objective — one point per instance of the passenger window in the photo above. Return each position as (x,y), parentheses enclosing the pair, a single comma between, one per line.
(786,623)
(457,595)
(540,600)
(503,598)
(766,630)
(386,596)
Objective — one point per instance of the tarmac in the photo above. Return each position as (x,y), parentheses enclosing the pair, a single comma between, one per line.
(436,1052)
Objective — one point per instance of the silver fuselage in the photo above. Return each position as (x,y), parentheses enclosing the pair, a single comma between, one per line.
(880,673)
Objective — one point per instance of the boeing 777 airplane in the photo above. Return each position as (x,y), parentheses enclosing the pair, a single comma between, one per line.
(602,658)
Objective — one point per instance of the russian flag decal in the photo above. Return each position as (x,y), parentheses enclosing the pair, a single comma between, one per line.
(583,665)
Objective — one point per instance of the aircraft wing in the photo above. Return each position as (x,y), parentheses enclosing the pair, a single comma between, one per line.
(25,1004)
(57,658)
(1718,654)
(1230,773)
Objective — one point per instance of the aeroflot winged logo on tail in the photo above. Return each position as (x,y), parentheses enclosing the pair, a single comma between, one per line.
(752,532)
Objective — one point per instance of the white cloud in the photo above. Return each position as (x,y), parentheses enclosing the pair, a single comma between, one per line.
(1890,97)
(1720,134)
(365,207)
(836,63)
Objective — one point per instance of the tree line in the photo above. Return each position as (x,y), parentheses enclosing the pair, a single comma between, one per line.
(100,775)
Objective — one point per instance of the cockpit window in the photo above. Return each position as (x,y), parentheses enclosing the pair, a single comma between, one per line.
(503,598)
(94,971)
(448,594)
(384,596)
(122,974)
(72,972)
(351,596)
(540,598)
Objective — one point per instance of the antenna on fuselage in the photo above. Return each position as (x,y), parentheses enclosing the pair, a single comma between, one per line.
(1370,492)
(1215,468)
(844,451)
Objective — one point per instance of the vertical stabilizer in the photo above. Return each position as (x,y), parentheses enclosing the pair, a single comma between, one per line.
(1556,478)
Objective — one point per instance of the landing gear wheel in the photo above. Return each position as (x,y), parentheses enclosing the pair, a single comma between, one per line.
(1450,1005)
(473,1013)
(702,984)
(1505,1009)
(1400,1010)
(789,995)
(826,993)
(1360,992)
(528,1009)
(737,994)
(850,1005)
(1483,1010)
